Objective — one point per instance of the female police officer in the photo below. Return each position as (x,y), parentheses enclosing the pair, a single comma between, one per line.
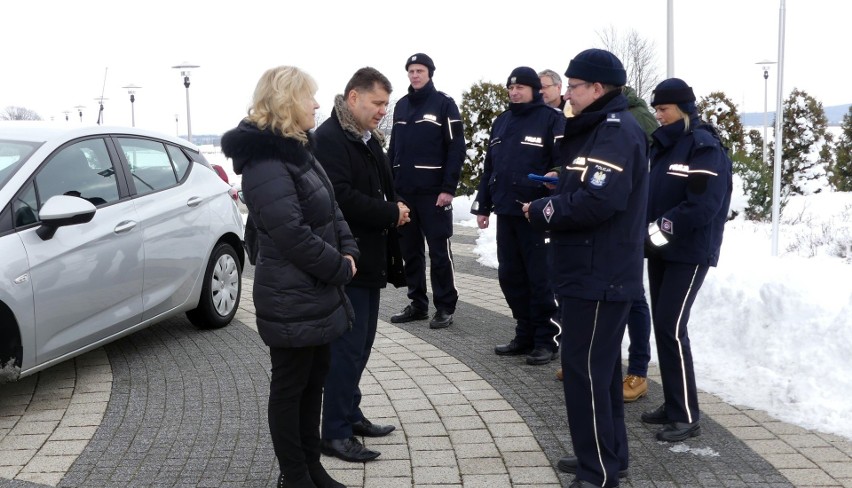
(688,200)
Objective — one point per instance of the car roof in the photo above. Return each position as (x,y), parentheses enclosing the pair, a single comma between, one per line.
(40,131)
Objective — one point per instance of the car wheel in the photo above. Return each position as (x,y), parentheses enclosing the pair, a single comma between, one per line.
(220,294)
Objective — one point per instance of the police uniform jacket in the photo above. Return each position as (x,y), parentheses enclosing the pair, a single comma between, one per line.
(523,141)
(596,216)
(301,236)
(690,191)
(362,183)
(427,146)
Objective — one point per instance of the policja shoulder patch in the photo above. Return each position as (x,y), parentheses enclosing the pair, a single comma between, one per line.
(599,176)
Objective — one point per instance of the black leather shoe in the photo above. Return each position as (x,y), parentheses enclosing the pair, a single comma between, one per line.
(408,314)
(568,464)
(441,320)
(349,449)
(679,431)
(582,484)
(512,349)
(368,429)
(656,416)
(541,355)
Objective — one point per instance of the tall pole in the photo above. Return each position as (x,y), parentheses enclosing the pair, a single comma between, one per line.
(779,136)
(765,64)
(185,67)
(188,122)
(131,89)
(670,40)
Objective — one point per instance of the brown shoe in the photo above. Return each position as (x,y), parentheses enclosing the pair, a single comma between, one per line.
(559,374)
(635,387)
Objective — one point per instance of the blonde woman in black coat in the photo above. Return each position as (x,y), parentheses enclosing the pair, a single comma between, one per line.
(306,256)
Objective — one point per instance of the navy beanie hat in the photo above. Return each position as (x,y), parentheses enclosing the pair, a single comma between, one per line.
(674,91)
(423,59)
(524,75)
(597,65)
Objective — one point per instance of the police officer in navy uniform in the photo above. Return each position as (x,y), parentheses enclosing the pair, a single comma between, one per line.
(596,219)
(427,150)
(688,202)
(522,142)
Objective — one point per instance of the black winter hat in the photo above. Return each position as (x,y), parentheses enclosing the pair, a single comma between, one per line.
(674,91)
(524,75)
(423,59)
(597,65)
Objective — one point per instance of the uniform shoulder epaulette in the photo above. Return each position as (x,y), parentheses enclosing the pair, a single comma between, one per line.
(613,118)
(705,135)
(442,93)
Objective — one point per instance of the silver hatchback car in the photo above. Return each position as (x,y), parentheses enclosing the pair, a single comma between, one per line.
(103,231)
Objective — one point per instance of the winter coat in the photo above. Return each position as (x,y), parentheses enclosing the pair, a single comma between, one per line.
(523,141)
(301,236)
(363,186)
(427,146)
(690,192)
(596,215)
(640,111)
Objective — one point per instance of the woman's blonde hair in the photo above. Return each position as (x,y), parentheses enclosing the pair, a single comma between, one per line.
(278,101)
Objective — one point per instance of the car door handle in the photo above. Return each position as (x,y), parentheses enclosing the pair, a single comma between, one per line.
(194,201)
(124,226)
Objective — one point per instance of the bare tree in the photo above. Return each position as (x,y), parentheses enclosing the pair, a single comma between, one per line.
(18,113)
(639,56)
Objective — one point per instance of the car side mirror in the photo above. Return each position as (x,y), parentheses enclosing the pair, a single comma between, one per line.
(62,210)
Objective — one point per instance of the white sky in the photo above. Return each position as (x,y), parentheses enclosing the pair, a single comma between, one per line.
(770,333)
(56,52)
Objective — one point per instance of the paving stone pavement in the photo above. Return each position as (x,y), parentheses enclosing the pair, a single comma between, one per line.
(174,406)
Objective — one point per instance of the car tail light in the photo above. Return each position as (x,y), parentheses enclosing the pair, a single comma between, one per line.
(221,172)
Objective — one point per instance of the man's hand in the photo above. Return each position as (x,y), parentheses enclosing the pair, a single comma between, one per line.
(352,262)
(525,208)
(403,214)
(550,186)
(444,199)
(482,221)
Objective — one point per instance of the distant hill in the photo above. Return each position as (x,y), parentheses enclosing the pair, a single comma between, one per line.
(834,114)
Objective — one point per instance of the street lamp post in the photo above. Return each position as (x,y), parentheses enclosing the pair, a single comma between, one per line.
(765,64)
(184,71)
(80,111)
(100,101)
(131,89)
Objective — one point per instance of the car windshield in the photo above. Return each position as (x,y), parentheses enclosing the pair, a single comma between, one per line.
(13,154)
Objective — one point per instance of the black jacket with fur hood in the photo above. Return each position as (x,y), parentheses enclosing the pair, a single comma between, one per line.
(302,238)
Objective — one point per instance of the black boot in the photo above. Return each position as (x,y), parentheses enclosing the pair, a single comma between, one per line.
(321,478)
(301,480)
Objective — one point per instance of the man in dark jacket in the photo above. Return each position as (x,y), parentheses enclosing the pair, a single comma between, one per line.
(522,142)
(551,89)
(596,219)
(426,153)
(350,149)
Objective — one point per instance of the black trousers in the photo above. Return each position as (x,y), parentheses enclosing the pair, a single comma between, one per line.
(295,403)
(522,272)
(349,355)
(435,224)
(594,399)
(673,288)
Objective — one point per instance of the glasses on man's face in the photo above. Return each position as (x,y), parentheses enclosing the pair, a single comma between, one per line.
(573,87)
